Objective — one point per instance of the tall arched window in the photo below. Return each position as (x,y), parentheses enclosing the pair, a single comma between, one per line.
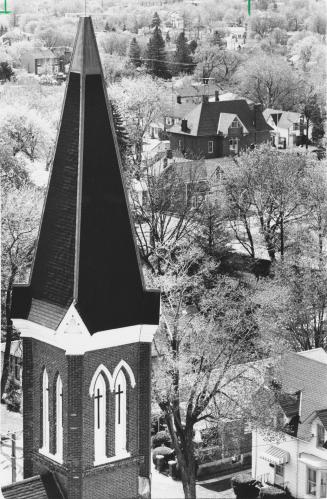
(99,418)
(45,411)
(59,418)
(120,414)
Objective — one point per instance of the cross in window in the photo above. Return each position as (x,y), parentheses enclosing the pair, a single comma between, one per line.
(97,398)
(62,405)
(119,393)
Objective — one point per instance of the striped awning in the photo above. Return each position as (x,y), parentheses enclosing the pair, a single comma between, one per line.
(275,455)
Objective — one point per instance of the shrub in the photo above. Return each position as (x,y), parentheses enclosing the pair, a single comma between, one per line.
(272,493)
(162,437)
(244,486)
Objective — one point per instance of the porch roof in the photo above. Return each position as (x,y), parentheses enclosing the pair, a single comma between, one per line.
(313,461)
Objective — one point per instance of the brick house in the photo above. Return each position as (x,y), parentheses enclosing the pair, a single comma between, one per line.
(298,459)
(217,129)
(86,319)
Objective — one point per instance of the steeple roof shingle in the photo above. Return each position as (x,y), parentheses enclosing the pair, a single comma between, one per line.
(86,251)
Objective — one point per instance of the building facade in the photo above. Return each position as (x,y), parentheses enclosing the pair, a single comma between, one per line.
(297,457)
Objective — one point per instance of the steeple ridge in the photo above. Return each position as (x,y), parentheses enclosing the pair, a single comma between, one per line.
(85,58)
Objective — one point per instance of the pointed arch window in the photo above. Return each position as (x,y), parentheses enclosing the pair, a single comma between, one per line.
(120,414)
(100,419)
(45,411)
(59,418)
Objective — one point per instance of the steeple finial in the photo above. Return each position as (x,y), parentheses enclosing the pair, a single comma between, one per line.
(85,58)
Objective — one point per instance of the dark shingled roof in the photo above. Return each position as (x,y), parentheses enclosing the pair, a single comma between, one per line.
(37,487)
(322,415)
(290,403)
(204,119)
(86,252)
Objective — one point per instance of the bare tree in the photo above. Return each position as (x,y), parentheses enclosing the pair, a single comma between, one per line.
(166,205)
(267,186)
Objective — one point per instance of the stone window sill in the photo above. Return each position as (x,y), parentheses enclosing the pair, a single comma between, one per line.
(106,460)
(54,457)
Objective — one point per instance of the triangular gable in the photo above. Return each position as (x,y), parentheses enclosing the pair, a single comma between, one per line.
(225,121)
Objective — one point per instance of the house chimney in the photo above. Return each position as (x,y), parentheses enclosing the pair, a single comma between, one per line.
(205,98)
(216,95)
(258,107)
(179,99)
(184,126)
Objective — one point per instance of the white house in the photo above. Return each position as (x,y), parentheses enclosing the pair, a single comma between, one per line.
(289,129)
(297,459)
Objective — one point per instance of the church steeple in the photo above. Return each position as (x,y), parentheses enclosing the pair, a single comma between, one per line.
(86,252)
(85,318)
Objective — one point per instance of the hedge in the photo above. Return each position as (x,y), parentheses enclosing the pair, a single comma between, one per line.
(273,493)
(244,486)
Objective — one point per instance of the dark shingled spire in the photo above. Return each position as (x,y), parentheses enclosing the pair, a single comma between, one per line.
(86,252)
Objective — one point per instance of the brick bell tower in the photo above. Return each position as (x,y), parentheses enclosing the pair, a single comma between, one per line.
(86,320)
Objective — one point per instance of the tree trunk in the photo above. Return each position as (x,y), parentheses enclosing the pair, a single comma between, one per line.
(282,243)
(5,370)
(307,136)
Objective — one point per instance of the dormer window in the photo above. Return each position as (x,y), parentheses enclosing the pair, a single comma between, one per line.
(236,123)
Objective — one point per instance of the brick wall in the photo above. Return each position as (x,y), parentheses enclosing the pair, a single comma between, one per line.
(77,475)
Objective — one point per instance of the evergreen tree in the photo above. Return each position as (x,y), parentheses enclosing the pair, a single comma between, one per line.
(156,21)
(167,37)
(6,72)
(218,39)
(135,53)
(193,46)
(121,134)
(156,55)
(182,55)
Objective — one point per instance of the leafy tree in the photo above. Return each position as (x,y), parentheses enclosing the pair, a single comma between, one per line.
(269,80)
(264,23)
(156,56)
(293,307)
(135,53)
(182,55)
(26,131)
(156,21)
(196,376)
(193,46)
(21,209)
(218,39)
(139,102)
(6,71)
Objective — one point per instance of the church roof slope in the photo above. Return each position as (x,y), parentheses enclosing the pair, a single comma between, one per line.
(36,487)
(86,251)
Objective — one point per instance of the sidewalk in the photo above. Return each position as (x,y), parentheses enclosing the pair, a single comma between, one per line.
(163,487)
